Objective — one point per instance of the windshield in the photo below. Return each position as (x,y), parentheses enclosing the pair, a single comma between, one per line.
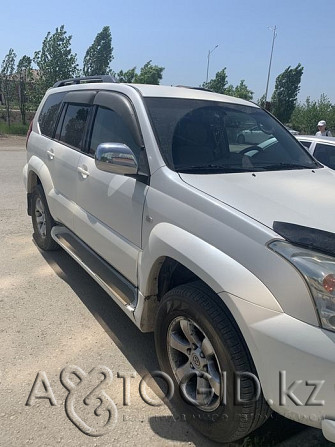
(198,136)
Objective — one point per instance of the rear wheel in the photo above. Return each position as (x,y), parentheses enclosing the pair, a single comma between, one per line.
(42,220)
(200,347)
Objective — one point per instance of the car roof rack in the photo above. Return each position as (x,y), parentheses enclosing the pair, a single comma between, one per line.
(85,80)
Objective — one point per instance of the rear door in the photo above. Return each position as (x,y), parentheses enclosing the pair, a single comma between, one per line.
(63,153)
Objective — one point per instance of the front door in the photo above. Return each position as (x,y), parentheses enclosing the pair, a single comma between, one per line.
(110,206)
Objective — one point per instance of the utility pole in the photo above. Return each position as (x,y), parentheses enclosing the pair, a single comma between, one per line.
(273,42)
(209,53)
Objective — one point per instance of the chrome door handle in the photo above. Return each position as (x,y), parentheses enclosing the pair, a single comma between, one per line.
(51,154)
(84,173)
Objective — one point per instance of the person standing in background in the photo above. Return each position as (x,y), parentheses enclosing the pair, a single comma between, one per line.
(323,132)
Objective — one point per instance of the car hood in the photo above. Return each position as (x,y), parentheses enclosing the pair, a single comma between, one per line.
(303,197)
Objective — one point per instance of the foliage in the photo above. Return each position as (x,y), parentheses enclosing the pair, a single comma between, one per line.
(149,74)
(286,91)
(13,129)
(306,116)
(99,55)
(219,83)
(55,61)
(240,91)
(126,76)
(7,80)
(261,101)
(24,73)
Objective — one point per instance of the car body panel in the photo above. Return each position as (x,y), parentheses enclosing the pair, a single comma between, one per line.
(221,226)
(267,196)
(118,223)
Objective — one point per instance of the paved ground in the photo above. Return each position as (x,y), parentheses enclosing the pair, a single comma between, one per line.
(54,315)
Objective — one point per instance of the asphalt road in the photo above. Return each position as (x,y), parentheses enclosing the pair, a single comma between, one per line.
(55,319)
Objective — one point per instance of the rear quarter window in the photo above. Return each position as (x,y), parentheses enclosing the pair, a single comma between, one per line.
(49,113)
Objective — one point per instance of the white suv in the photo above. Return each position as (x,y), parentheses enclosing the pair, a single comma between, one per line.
(225,250)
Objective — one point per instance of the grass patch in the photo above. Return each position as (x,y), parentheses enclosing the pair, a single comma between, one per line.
(13,129)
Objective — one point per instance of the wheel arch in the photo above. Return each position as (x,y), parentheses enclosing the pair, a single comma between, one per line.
(38,173)
(174,257)
(32,181)
(215,268)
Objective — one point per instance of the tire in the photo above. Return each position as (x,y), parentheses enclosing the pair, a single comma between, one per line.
(241,139)
(195,334)
(42,220)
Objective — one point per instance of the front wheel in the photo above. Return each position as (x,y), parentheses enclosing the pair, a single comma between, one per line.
(42,220)
(200,347)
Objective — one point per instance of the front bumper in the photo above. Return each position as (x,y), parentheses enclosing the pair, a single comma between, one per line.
(295,362)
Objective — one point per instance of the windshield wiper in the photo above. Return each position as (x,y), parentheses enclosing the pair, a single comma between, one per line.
(220,168)
(283,166)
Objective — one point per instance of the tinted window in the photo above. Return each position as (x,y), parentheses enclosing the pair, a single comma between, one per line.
(49,113)
(73,127)
(109,127)
(200,136)
(326,154)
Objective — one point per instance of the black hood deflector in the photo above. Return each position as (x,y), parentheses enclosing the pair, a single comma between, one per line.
(306,237)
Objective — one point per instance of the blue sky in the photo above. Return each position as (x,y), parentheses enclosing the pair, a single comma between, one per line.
(179,34)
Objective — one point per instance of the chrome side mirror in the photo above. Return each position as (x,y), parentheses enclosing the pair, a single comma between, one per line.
(116,158)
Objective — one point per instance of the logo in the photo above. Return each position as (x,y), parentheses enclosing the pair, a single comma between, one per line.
(102,406)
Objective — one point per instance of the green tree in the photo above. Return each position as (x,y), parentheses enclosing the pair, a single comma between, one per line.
(286,91)
(261,101)
(127,76)
(149,74)
(24,73)
(306,115)
(99,54)
(7,80)
(55,61)
(219,83)
(242,91)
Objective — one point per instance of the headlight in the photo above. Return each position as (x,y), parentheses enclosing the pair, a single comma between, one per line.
(319,271)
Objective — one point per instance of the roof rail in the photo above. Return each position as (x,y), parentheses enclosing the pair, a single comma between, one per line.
(85,80)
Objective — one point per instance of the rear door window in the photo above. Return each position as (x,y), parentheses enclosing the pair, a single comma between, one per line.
(72,128)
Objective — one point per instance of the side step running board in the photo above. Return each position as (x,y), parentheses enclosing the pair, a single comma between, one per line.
(118,287)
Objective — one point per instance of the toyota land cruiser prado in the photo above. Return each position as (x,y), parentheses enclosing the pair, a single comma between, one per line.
(223,247)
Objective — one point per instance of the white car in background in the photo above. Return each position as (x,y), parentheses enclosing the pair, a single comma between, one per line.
(254,135)
(322,148)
